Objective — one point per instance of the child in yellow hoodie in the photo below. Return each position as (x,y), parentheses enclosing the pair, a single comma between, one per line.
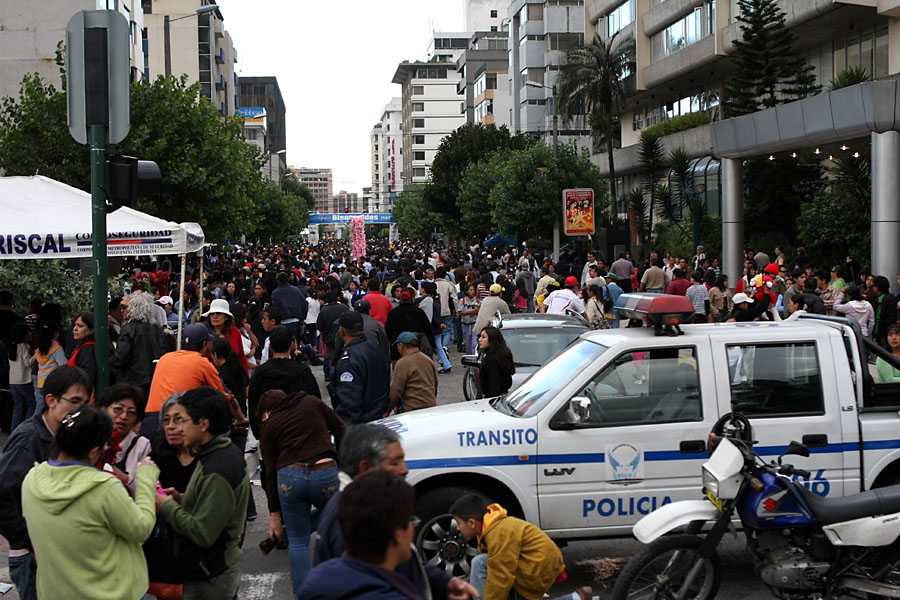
(516,555)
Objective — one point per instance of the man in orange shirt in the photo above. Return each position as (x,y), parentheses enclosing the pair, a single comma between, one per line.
(181,371)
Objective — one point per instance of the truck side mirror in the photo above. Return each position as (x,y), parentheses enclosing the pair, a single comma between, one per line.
(579,410)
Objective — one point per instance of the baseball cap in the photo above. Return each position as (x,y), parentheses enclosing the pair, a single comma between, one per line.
(406,294)
(571,281)
(362,306)
(742,297)
(407,337)
(166,300)
(496,288)
(351,321)
(196,333)
(612,276)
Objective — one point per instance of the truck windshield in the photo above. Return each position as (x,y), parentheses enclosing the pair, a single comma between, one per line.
(529,398)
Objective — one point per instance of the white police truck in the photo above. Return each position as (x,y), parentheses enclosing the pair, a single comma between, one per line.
(615,425)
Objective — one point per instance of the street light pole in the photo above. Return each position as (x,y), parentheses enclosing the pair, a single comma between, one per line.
(167,38)
(555,140)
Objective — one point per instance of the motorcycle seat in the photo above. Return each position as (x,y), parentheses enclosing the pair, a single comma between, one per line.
(882,501)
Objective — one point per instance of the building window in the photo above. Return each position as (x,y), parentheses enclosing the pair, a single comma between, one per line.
(620,18)
(418,106)
(418,139)
(535,12)
(868,49)
(419,172)
(493,28)
(564,41)
(418,155)
(431,73)
(418,90)
(418,123)
(493,14)
(684,32)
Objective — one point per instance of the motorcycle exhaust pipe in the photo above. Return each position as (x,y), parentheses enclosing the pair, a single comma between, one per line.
(872,587)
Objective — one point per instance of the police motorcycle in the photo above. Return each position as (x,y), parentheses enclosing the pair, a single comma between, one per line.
(802,545)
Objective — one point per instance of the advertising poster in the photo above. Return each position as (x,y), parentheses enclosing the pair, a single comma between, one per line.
(578,211)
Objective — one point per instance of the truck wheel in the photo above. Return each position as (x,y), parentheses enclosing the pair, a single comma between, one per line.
(660,571)
(438,540)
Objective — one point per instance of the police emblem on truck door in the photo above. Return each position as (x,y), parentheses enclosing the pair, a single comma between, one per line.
(625,462)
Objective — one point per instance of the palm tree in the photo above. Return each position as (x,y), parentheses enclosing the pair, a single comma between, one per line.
(591,87)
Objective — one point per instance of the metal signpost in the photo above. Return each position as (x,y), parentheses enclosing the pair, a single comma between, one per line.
(98,72)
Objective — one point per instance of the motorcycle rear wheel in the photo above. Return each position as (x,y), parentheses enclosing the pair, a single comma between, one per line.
(660,570)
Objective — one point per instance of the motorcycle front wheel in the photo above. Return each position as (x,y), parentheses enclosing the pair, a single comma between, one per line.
(662,570)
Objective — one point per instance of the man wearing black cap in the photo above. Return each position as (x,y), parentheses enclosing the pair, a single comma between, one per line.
(362,375)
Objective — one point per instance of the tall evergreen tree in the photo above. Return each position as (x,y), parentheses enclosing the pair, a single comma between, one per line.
(769,70)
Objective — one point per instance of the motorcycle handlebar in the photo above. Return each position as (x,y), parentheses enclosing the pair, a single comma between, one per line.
(789,470)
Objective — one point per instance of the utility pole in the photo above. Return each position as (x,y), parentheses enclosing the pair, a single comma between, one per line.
(556,218)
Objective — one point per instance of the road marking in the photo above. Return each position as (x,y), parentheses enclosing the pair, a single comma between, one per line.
(259,586)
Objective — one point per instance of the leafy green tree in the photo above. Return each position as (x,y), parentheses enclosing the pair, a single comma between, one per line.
(209,172)
(473,199)
(774,191)
(527,193)
(652,157)
(592,85)
(292,186)
(835,216)
(769,70)
(280,214)
(468,144)
(34,136)
(412,216)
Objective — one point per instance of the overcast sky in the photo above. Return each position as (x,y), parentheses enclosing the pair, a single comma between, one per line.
(334,62)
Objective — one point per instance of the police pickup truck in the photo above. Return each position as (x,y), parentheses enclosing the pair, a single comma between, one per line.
(615,425)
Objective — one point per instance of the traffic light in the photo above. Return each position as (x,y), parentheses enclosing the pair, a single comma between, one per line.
(128,178)
(346,209)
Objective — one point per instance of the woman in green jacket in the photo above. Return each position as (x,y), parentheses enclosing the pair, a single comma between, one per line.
(86,531)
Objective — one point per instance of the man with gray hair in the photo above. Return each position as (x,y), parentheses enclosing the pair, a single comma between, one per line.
(372,447)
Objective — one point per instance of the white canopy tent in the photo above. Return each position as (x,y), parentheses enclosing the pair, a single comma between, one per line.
(43,218)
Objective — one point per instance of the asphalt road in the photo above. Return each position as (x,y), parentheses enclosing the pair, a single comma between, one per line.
(594,563)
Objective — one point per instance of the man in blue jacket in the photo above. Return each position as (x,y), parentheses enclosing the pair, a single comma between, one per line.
(293,305)
(361,382)
(375,513)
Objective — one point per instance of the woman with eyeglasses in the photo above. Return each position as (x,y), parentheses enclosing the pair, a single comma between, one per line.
(168,450)
(86,531)
(124,404)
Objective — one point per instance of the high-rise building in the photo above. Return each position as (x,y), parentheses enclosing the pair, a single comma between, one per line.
(182,41)
(319,182)
(391,182)
(375,141)
(264,92)
(484,15)
(540,33)
(345,202)
(681,64)
(365,204)
(483,82)
(30,32)
(430,103)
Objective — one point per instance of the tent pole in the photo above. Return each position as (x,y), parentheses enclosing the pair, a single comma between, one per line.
(180,307)
(200,291)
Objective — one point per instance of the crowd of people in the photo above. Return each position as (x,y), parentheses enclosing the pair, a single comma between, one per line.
(143,487)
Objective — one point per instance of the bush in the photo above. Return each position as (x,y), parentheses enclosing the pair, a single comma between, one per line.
(688,121)
(51,281)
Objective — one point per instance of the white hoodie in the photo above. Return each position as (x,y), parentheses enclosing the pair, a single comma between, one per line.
(858,310)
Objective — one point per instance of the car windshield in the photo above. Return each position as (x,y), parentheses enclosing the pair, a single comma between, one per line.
(532,347)
(535,392)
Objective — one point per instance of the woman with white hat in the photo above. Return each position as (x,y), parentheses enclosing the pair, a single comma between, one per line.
(221,323)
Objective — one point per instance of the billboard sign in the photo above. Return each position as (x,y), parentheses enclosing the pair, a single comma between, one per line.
(252,114)
(578,211)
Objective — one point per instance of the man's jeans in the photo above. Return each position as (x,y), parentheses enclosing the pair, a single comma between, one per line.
(444,340)
(23,572)
(299,491)
(23,402)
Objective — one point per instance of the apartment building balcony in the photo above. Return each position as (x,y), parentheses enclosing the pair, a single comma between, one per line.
(687,59)
(220,83)
(220,57)
(600,8)
(697,142)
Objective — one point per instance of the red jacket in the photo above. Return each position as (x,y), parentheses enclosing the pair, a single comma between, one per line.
(381,306)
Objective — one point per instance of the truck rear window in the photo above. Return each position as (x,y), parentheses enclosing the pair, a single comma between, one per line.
(769,380)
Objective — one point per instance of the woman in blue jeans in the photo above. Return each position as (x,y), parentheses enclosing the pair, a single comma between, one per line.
(21,359)
(301,468)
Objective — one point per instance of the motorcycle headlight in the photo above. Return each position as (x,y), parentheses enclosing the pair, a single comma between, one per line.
(710,482)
